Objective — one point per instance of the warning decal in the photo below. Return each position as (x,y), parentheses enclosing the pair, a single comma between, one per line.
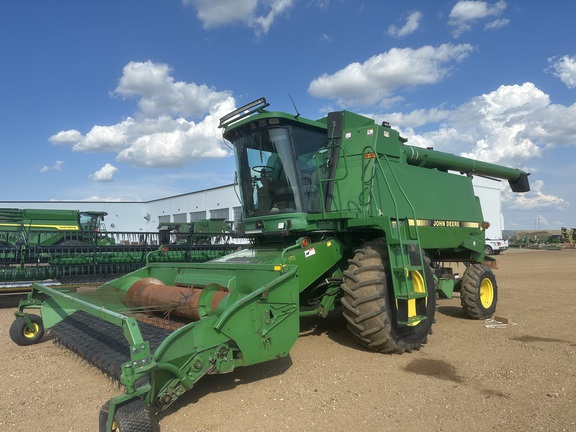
(309,252)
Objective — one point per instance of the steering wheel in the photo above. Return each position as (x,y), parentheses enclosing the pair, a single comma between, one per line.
(263,170)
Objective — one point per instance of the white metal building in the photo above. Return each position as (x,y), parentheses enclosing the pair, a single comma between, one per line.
(219,202)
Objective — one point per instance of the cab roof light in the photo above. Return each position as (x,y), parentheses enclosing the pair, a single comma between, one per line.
(243,111)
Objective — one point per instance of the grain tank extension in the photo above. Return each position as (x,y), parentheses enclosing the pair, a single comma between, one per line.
(342,213)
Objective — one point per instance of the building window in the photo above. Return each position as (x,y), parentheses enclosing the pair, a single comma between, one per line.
(164,219)
(219,214)
(180,218)
(195,216)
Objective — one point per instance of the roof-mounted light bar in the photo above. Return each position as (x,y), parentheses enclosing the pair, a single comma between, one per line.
(242,112)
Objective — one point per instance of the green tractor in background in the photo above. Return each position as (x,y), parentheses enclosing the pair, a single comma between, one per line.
(342,213)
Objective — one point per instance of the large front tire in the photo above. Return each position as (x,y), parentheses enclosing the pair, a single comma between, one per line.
(478,292)
(370,306)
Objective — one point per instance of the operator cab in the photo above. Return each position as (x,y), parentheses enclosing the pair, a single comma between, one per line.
(92,221)
(279,164)
(277,170)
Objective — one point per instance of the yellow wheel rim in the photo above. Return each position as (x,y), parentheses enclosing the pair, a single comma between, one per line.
(30,334)
(486,293)
(419,287)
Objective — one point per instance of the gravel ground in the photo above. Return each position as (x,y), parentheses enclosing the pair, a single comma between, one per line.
(471,375)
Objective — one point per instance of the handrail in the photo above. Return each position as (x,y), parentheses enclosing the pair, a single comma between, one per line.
(329,179)
(394,202)
(396,212)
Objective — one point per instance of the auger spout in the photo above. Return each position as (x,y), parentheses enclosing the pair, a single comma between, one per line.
(428,158)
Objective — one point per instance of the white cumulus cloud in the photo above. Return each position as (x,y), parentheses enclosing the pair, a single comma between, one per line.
(97,198)
(565,69)
(177,121)
(535,199)
(183,142)
(496,24)
(412,24)
(158,93)
(56,167)
(509,125)
(104,174)
(66,137)
(466,12)
(256,14)
(417,117)
(375,80)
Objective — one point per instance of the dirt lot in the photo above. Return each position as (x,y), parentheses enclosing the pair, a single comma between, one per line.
(471,376)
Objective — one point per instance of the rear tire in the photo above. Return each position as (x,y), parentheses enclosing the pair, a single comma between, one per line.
(131,416)
(22,335)
(488,250)
(479,292)
(370,306)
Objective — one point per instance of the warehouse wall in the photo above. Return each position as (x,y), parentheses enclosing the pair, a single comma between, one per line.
(217,202)
(145,216)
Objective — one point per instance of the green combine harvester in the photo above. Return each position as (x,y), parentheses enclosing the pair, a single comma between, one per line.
(342,213)
(48,227)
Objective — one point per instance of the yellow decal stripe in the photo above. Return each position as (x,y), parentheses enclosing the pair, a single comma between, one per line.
(443,223)
(40,226)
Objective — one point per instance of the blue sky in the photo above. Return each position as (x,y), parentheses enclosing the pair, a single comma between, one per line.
(120,100)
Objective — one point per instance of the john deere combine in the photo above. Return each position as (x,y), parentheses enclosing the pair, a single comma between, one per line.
(342,213)
(33,227)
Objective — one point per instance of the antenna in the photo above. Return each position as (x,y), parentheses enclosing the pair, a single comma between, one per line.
(295,109)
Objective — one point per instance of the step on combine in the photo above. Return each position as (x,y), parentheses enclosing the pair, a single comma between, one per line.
(342,213)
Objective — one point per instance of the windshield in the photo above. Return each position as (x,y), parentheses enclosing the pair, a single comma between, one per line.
(277,170)
(89,222)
